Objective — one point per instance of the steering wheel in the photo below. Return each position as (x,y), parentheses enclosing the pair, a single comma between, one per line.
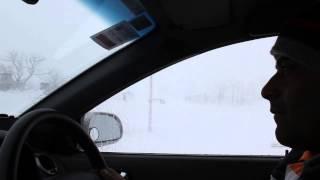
(12,145)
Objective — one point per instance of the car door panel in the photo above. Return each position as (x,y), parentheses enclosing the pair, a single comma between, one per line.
(151,166)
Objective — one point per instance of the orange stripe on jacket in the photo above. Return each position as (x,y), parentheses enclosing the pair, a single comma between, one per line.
(298,166)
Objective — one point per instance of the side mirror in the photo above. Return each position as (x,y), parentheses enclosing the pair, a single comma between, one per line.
(103,128)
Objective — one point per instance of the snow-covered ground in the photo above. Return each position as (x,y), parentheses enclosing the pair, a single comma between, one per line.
(181,126)
(15,102)
(187,128)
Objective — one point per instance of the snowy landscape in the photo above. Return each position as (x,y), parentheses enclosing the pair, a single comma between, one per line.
(207,105)
(200,127)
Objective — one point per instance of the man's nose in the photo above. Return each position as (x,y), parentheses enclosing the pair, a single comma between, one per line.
(272,89)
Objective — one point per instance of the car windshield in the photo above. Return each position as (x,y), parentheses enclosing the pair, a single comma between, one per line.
(45,45)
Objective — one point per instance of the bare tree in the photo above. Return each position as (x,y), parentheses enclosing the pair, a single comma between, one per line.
(6,80)
(51,81)
(22,68)
(4,69)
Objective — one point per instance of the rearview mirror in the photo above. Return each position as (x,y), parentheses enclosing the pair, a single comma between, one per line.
(103,128)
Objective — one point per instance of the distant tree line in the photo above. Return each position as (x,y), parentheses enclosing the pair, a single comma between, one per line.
(232,93)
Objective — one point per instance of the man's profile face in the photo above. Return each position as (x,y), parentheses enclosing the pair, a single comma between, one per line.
(294,95)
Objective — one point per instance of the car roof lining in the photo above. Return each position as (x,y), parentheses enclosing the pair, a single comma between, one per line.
(198,14)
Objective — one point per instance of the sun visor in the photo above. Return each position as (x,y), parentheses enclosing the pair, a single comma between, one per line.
(198,14)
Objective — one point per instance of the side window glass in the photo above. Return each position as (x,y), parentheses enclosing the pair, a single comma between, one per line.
(209,104)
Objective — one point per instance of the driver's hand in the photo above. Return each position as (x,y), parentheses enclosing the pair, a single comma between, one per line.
(110,174)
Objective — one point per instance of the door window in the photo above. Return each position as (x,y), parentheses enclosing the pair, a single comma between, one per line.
(209,104)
